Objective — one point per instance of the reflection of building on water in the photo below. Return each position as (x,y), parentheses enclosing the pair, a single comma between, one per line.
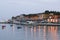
(44,30)
(34,29)
(31,32)
(34,34)
(13,28)
(41,32)
(53,31)
(26,34)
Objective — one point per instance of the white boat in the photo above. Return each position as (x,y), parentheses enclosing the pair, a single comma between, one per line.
(30,22)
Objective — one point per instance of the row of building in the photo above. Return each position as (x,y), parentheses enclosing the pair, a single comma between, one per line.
(49,16)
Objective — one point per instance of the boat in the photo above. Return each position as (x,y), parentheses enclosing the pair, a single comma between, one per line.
(3,26)
(19,27)
(11,25)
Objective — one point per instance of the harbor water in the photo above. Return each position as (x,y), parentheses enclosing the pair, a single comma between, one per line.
(23,32)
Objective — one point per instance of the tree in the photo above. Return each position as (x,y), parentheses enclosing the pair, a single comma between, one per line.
(47,11)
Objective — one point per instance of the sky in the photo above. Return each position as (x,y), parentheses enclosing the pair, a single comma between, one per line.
(9,8)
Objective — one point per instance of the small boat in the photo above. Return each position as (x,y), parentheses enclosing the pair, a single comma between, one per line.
(11,25)
(3,26)
(19,27)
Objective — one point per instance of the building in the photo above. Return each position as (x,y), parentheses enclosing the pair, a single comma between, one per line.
(49,16)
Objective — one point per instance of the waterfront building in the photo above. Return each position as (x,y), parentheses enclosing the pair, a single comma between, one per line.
(49,16)
(54,18)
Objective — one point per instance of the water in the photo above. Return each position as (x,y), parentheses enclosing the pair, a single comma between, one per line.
(20,32)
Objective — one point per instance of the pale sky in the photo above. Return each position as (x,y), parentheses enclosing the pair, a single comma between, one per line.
(9,8)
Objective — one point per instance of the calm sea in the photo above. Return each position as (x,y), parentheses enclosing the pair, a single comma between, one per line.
(23,32)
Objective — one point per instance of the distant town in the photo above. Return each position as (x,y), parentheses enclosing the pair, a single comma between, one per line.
(44,17)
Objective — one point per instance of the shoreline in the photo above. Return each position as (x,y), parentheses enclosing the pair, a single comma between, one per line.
(32,24)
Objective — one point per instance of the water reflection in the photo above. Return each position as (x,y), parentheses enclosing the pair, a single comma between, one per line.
(31,32)
(13,28)
(26,32)
(34,30)
(42,32)
(53,31)
(39,32)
